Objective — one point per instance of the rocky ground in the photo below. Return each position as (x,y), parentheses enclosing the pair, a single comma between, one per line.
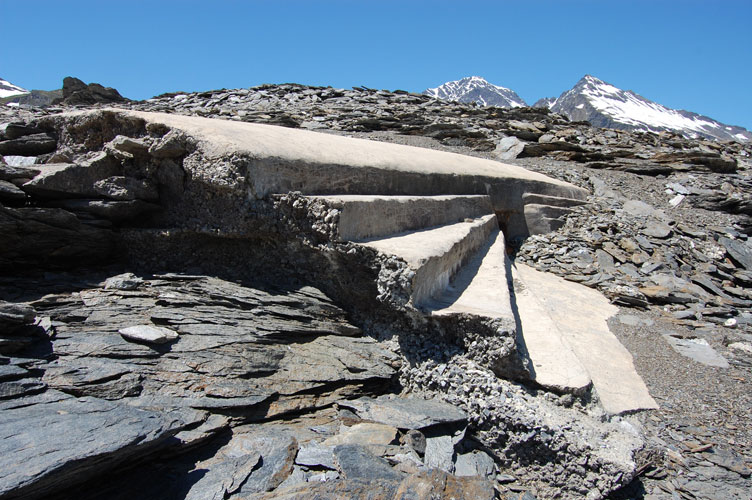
(664,235)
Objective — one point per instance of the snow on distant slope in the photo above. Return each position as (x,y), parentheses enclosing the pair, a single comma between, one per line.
(7,89)
(604,105)
(477,89)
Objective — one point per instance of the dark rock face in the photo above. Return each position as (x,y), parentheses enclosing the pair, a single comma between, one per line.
(78,93)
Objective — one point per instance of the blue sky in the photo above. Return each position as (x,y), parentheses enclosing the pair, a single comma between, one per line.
(695,55)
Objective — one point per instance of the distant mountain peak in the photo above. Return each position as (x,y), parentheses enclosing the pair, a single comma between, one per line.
(7,89)
(477,89)
(605,105)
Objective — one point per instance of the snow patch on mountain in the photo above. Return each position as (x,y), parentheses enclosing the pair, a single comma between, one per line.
(477,89)
(605,105)
(7,89)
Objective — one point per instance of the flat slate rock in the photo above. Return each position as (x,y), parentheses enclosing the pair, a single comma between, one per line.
(356,462)
(698,350)
(61,440)
(739,251)
(148,334)
(405,413)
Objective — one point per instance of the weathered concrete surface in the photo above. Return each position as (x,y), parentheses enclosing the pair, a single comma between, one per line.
(277,160)
(436,254)
(369,216)
(580,314)
(480,287)
(554,364)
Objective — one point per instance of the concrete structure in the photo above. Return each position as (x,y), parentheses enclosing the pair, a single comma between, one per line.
(445,216)
(277,160)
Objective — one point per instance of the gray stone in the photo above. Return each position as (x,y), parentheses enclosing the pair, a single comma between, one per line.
(16,313)
(316,455)
(436,484)
(172,145)
(406,413)
(364,433)
(356,462)
(149,334)
(67,180)
(277,450)
(225,478)
(10,192)
(30,145)
(728,460)
(509,148)
(641,209)
(697,349)
(134,147)
(415,440)
(125,281)
(10,172)
(126,189)
(440,453)
(61,441)
(475,463)
(741,252)
(18,388)
(14,130)
(12,372)
(657,229)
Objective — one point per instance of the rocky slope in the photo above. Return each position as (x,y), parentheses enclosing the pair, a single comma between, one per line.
(665,235)
(604,105)
(478,90)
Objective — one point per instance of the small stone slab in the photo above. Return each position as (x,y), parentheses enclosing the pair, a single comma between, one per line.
(364,433)
(475,463)
(316,455)
(9,191)
(148,334)
(739,251)
(440,453)
(442,486)
(698,350)
(356,462)
(405,413)
(657,229)
(125,281)
(224,479)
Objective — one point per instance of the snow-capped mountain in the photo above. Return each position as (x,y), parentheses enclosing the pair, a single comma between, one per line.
(604,105)
(7,89)
(477,89)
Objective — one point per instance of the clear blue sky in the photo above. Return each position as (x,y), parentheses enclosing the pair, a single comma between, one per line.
(695,55)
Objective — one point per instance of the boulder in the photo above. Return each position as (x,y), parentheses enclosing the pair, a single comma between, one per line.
(78,93)
(29,145)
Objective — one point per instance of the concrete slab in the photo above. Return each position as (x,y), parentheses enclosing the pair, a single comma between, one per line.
(435,254)
(555,366)
(370,216)
(580,314)
(263,159)
(480,287)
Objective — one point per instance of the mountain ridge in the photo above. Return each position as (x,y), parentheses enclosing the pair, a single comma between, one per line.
(7,89)
(603,105)
(477,89)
